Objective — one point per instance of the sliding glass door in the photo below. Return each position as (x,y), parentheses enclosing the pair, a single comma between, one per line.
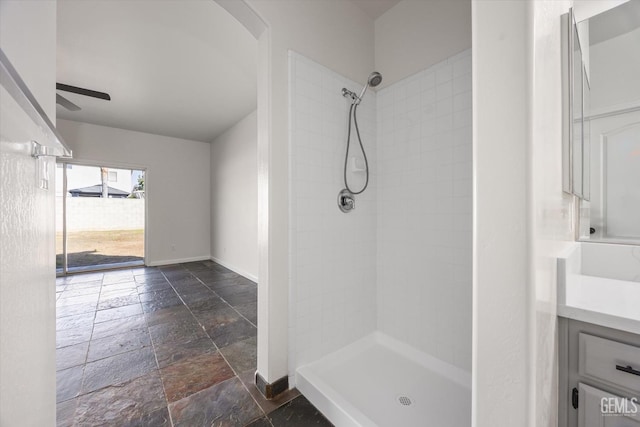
(100,217)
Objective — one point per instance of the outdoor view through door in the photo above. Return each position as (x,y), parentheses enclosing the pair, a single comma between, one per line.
(100,217)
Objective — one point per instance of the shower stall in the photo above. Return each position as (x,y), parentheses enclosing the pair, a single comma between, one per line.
(381,295)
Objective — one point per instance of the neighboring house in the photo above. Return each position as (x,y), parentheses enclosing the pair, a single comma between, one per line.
(80,176)
(96,191)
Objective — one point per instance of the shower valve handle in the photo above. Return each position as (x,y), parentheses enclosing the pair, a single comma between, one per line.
(346,201)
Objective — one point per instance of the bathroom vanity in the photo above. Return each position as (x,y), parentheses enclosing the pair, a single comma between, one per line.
(599,335)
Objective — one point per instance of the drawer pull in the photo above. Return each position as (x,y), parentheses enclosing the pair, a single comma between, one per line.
(627,369)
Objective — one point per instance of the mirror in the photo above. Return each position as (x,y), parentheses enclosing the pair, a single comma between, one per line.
(605,136)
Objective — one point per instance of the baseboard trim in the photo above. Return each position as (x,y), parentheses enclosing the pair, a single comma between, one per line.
(274,389)
(178,261)
(240,271)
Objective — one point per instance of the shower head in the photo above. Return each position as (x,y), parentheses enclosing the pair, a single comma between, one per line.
(374,80)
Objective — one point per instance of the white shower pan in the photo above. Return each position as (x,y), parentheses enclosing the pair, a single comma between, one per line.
(380,381)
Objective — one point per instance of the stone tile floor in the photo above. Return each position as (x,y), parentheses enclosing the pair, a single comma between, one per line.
(166,346)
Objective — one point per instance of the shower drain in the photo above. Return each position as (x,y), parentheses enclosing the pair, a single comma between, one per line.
(405,400)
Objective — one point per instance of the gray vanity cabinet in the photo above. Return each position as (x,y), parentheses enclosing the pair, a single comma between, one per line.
(599,381)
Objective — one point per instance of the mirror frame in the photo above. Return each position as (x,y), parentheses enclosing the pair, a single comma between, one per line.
(568,29)
(569,85)
(586,135)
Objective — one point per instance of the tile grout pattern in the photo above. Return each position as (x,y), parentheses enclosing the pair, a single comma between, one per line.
(424,237)
(167,346)
(333,255)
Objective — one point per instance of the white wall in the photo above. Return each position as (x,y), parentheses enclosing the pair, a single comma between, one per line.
(339,35)
(424,210)
(333,254)
(501,333)
(27,254)
(234,197)
(177,184)
(414,35)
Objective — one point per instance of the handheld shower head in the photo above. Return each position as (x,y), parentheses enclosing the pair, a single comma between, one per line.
(374,80)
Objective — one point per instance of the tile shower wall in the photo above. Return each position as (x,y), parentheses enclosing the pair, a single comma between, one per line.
(333,255)
(401,261)
(424,180)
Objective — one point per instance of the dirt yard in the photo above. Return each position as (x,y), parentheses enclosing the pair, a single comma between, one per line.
(101,247)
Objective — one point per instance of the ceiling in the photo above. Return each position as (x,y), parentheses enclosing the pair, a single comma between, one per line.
(375,8)
(185,69)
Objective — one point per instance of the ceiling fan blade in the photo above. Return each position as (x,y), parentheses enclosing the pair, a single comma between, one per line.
(66,103)
(82,91)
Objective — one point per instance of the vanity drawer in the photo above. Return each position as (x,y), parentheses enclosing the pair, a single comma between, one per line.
(610,362)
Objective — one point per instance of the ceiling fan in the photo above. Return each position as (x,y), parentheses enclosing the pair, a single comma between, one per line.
(80,91)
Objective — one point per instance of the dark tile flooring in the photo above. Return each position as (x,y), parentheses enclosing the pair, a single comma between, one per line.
(166,346)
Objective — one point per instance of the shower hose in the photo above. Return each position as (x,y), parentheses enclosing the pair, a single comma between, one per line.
(352,113)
